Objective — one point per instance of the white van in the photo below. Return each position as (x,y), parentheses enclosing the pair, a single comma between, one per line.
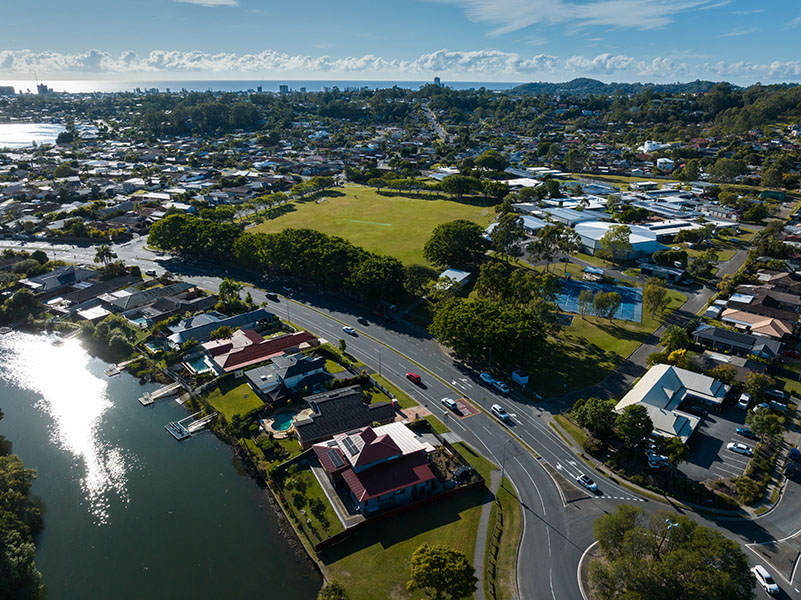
(744,401)
(765,580)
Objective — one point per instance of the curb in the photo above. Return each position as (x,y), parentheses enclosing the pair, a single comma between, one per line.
(578,570)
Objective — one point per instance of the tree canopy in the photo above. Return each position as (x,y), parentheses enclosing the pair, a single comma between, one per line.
(665,556)
(457,244)
(442,572)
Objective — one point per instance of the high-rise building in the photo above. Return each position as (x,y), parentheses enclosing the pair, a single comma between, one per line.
(258,89)
(284,89)
(437,82)
(7,90)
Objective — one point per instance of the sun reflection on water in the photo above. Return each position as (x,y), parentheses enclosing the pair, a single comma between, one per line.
(76,400)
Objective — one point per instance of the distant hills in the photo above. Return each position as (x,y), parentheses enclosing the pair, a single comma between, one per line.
(583,86)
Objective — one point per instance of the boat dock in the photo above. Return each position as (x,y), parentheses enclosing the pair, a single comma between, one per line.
(180,432)
(168,390)
(5,330)
(117,369)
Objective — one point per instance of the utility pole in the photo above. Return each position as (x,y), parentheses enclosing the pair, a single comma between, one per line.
(490,356)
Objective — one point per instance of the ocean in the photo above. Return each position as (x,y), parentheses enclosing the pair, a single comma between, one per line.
(267,85)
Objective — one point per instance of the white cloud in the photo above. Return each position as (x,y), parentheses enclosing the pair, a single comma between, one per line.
(211,2)
(513,15)
(738,32)
(478,64)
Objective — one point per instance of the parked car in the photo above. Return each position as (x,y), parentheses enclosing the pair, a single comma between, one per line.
(349,330)
(744,401)
(794,454)
(500,386)
(586,482)
(151,272)
(413,377)
(487,378)
(740,448)
(765,580)
(746,432)
(694,409)
(363,321)
(764,405)
(792,353)
(272,296)
(450,404)
(500,412)
(655,461)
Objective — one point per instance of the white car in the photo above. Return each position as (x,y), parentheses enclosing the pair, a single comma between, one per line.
(586,482)
(349,330)
(740,448)
(744,401)
(500,386)
(765,580)
(500,412)
(450,403)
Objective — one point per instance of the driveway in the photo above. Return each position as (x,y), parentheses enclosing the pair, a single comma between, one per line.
(709,457)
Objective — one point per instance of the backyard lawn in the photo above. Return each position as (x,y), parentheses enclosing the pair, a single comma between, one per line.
(398,225)
(374,563)
(231,397)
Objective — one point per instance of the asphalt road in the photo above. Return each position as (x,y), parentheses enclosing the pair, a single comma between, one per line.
(554,535)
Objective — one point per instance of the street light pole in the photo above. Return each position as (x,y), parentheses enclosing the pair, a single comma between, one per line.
(490,356)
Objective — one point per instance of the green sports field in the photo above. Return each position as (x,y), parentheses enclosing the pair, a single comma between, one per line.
(397,225)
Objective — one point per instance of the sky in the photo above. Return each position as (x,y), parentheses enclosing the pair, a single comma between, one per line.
(740,41)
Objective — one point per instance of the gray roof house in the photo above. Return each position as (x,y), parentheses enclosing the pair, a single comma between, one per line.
(199,328)
(339,411)
(734,341)
(287,371)
(664,388)
(132,298)
(58,279)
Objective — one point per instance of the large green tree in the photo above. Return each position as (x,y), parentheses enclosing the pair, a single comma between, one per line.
(615,244)
(507,236)
(458,244)
(442,572)
(633,425)
(595,415)
(675,338)
(665,556)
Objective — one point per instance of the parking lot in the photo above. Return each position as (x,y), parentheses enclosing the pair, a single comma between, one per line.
(709,457)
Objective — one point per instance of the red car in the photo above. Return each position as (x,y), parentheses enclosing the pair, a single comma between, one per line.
(413,377)
(792,353)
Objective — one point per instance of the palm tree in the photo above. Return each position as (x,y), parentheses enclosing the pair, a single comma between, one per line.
(104,254)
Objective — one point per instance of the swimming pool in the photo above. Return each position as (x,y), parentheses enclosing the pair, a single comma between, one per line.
(197,364)
(630,298)
(283,420)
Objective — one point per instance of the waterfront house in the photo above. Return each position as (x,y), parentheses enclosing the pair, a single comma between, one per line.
(338,411)
(200,327)
(378,467)
(246,348)
(287,373)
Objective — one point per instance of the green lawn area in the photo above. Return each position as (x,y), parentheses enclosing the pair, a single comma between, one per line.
(590,348)
(333,367)
(231,397)
(374,563)
(479,463)
(436,424)
(302,491)
(404,400)
(575,432)
(398,225)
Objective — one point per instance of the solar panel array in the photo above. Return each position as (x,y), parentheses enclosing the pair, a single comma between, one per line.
(336,459)
(350,446)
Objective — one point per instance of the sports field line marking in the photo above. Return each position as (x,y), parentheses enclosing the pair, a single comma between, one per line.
(370,223)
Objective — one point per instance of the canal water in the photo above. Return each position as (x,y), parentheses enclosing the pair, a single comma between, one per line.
(129,511)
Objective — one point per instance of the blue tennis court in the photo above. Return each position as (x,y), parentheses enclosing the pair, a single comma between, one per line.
(630,298)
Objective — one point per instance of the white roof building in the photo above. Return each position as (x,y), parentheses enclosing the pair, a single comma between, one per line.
(663,389)
(643,241)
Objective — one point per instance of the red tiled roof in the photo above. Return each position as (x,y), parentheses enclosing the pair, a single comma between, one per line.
(256,353)
(379,448)
(389,477)
(324,455)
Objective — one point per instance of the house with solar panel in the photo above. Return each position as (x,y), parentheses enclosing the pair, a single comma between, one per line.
(378,468)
